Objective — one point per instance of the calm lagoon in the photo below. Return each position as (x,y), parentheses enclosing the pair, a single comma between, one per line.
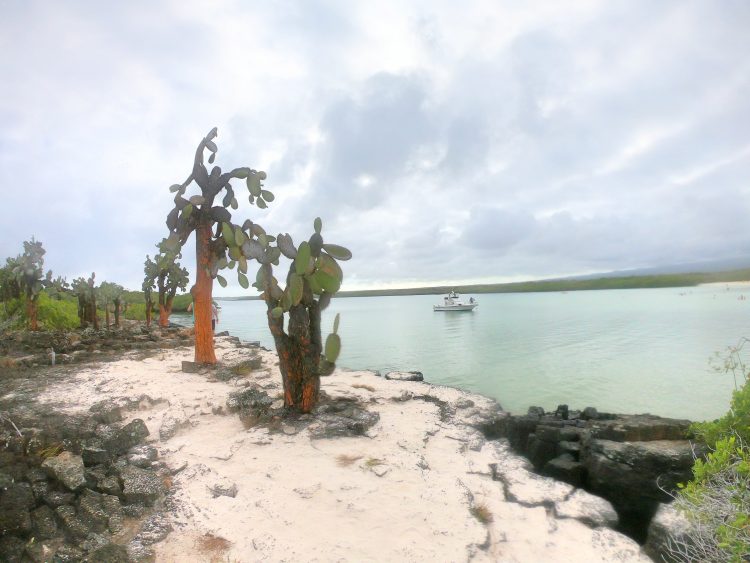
(628,351)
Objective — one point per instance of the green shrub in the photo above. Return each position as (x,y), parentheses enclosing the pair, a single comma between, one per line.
(136,312)
(717,500)
(57,315)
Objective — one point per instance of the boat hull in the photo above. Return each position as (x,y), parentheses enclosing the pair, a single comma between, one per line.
(469,307)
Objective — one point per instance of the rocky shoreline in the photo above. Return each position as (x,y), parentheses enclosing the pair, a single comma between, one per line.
(429,471)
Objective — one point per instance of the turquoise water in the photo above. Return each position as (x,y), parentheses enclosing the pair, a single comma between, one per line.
(644,350)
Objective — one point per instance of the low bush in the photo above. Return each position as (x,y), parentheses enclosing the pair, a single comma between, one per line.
(717,500)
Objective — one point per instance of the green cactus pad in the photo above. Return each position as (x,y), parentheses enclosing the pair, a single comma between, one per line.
(277,312)
(295,288)
(221,280)
(318,224)
(333,347)
(338,252)
(242,278)
(228,233)
(302,260)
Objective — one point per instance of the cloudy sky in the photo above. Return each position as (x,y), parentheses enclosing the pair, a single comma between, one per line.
(439,141)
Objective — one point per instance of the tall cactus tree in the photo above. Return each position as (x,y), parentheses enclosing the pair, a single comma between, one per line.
(314,277)
(111,293)
(166,273)
(86,290)
(198,213)
(150,271)
(29,273)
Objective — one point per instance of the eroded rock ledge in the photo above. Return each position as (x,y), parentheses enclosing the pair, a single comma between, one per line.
(633,461)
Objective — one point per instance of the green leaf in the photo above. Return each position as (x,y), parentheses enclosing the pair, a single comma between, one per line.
(231,264)
(234,252)
(260,203)
(174,188)
(333,347)
(318,224)
(338,252)
(296,286)
(336,323)
(221,280)
(268,196)
(242,278)
(277,312)
(228,233)
(302,260)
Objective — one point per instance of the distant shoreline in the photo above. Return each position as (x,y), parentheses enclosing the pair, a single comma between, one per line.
(738,277)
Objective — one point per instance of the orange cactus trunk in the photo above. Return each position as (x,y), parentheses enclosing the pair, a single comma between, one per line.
(204,335)
(31,312)
(164,312)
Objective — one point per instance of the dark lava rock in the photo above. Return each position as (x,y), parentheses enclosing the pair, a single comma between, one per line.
(91,511)
(341,419)
(44,523)
(69,554)
(128,436)
(68,469)
(15,502)
(537,412)
(107,411)
(72,525)
(405,375)
(109,553)
(142,456)
(93,454)
(565,468)
(154,530)
(139,485)
(11,549)
(589,413)
(253,404)
(110,485)
(45,550)
(58,498)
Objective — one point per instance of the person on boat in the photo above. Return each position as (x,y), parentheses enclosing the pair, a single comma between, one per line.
(471,300)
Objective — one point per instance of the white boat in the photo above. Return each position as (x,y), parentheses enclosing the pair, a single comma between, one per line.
(452,302)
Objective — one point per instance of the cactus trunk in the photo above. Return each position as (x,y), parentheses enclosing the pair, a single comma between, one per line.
(204,337)
(164,311)
(299,356)
(31,312)
(106,314)
(149,305)
(117,312)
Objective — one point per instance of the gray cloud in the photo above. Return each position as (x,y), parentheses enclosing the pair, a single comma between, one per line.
(439,144)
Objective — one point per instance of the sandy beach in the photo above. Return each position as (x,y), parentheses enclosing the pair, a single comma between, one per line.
(422,484)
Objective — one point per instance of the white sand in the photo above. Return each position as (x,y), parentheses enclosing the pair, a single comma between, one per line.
(408,496)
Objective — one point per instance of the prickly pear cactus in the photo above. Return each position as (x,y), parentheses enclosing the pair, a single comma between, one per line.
(201,214)
(314,277)
(29,274)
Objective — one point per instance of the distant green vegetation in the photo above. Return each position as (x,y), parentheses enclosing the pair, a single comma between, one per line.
(625,282)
